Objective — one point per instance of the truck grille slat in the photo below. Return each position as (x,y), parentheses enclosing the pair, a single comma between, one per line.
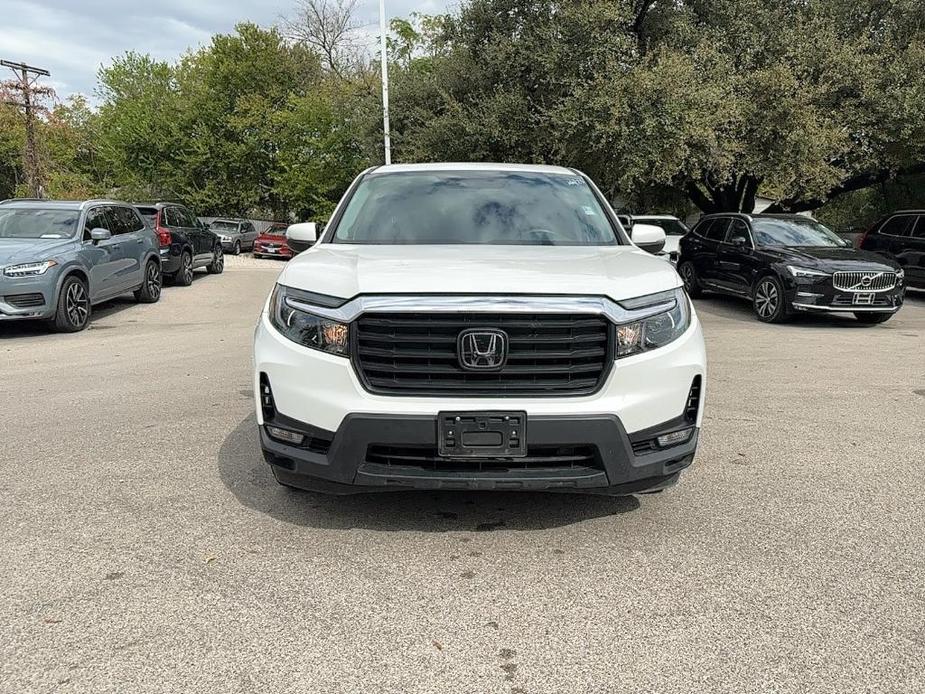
(416,353)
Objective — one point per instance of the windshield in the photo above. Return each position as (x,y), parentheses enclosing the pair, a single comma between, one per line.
(671,227)
(475,207)
(224,226)
(32,223)
(275,231)
(793,232)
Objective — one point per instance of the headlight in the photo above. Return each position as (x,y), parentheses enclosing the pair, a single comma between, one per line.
(807,272)
(655,331)
(306,328)
(29,269)
(900,274)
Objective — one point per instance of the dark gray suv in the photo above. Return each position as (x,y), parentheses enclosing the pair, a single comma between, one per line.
(58,259)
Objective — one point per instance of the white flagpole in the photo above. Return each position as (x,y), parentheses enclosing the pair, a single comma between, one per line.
(385,84)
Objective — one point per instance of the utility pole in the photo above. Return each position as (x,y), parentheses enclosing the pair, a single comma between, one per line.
(27,76)
(385,83)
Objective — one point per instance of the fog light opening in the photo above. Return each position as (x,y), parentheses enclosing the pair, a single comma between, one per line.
(286,436)
(675,438)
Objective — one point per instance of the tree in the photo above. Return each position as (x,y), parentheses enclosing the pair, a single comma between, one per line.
(329,27)
(719,99)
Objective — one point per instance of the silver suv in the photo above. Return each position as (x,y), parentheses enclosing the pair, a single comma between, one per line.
(236,234)
(58,259)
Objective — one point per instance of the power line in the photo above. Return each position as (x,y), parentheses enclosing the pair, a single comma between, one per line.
(26,77)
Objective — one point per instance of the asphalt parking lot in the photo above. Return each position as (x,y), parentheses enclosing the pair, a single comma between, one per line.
(144,546)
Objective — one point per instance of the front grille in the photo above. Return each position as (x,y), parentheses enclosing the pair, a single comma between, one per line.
(25,300)
(537,458)
(864,281)
(416,354)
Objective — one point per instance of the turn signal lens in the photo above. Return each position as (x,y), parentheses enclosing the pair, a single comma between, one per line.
(286,436)
(674,438)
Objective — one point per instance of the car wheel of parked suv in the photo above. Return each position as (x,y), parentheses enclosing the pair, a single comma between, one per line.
(873,318)
(184,276)
(217,266)
(73,313)
(237,248)
(768,300)
(691,283)
(150,291)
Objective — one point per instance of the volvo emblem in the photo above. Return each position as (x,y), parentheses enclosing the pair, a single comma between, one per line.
(482,349)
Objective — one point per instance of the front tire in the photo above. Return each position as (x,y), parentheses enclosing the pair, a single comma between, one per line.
(150,290)
(768,300)
(691,283)
(873,318)
(217,266)
(73,311)
(184,276)
(237,248)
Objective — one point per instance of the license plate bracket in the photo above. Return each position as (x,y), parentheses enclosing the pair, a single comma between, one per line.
(492,434)
(863,299)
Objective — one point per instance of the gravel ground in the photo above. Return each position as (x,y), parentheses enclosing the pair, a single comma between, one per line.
(144,546)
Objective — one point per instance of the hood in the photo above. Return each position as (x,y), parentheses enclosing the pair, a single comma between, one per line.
(273,238)
(17,251)
(342,270)
(832,258)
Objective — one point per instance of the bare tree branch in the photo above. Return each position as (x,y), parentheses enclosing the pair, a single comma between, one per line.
(328,26)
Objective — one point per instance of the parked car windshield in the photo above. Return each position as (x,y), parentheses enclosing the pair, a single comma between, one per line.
(671,227)
(793,232)
(34,223)
(475,207)
(224,226)
(275,231)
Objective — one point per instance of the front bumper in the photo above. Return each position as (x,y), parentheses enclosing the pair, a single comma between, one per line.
(823,298)
(349,460)
(318,392)
(28,298)
(273,251)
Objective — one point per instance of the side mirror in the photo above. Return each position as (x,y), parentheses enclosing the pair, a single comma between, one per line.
(648,237)
(738,241)
(98,235)
(302,236)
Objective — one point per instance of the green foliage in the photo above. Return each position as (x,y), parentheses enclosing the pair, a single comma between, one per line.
(246,125)
(719,99)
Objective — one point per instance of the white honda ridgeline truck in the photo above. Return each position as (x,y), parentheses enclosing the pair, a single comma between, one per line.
(478,326)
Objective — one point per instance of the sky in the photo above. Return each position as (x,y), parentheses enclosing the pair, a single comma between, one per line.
(74,38)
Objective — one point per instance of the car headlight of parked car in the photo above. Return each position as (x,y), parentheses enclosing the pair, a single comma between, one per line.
(807,273)
(306,328)
(29,269)
(655,331)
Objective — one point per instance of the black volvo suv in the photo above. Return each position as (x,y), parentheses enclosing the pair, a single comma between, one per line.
(185,242)
(900,237)
(786,264)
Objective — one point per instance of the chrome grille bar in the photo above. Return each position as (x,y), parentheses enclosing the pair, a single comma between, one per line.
(864,281)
